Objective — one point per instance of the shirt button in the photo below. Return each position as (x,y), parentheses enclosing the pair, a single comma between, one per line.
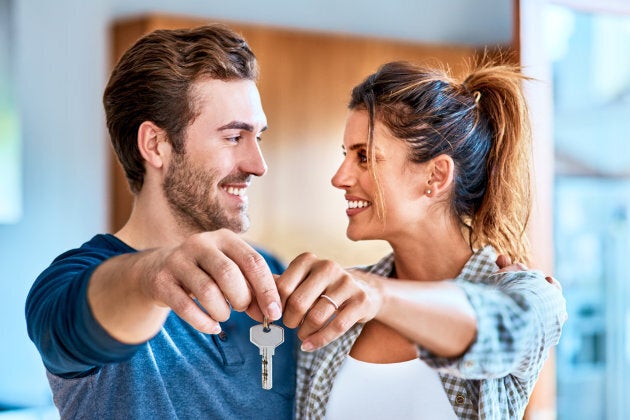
(460,399)
(223,336)
(469,364)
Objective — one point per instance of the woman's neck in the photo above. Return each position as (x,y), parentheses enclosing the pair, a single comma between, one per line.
(437,256)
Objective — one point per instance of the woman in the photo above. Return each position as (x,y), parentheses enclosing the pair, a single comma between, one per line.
(439,169)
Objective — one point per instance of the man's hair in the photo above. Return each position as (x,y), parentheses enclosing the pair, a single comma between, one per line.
(153,81)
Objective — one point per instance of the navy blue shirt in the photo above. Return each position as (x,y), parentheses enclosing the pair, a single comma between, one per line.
(180,373)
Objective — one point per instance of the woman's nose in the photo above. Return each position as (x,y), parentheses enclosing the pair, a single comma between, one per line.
(342,178)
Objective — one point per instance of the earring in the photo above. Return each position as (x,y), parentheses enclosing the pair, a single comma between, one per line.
(428,192)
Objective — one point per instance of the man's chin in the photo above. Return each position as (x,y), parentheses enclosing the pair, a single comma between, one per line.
(239,226)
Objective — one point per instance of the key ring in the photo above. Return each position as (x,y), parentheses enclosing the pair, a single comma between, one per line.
(266,324)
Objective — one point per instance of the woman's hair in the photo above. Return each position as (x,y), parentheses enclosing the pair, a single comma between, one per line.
(481,121)
(153,81)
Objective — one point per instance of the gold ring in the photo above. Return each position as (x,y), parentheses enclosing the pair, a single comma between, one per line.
(329,299)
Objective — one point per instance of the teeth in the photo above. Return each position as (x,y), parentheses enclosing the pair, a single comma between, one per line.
(235,191)
(358,204)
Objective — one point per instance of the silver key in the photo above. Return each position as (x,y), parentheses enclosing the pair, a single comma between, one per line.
(266,337)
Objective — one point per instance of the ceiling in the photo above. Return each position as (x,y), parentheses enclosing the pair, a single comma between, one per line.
(468,22)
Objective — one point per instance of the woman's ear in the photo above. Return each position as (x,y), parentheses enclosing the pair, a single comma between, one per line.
(152,144)
(440,175)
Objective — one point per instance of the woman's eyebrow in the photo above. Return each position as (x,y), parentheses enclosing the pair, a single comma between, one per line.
(356,146)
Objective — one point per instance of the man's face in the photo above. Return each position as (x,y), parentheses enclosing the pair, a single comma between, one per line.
(206,187)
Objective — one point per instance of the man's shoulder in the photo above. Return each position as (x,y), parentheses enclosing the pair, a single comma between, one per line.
(104,245)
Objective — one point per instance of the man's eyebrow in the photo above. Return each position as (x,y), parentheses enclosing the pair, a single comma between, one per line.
(240,125)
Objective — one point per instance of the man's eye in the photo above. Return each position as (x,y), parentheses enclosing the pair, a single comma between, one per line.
(234,139)
(259,138)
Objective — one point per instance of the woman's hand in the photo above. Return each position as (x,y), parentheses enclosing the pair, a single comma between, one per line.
(324,300)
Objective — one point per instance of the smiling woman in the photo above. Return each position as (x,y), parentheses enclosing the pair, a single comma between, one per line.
(10,165)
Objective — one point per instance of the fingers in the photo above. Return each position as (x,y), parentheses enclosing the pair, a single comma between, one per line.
(339,324)
(209,274)
(300,286)
(323,300)
(239,271)
(503,261)
(505,264)
(553,281)
(326,322)
(186,308)
(242,262)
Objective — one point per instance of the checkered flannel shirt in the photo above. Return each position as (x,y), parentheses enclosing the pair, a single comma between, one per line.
(519,318)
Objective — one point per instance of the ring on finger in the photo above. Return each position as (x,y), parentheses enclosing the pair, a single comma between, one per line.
(329,299)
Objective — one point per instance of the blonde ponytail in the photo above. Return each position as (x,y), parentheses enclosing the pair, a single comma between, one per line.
(502,217)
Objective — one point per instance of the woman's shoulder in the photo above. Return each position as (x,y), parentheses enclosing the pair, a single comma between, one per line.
(382,268)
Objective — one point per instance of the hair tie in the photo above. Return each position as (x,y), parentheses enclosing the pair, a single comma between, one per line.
(477,96)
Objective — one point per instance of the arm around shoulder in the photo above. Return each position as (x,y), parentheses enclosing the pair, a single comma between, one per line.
(519,318)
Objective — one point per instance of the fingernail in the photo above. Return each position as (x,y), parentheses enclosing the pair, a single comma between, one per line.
(307,346)
(274,311)
(216,330)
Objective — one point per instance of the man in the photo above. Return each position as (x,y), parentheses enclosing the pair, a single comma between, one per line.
(153,322)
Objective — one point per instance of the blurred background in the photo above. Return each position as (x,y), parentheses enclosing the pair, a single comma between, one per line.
(58,186)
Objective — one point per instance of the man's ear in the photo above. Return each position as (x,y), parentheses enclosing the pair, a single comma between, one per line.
(152,144)
(440,175)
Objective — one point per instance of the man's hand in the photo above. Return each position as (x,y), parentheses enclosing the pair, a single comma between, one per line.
(505,264)
(220,271)
(131,294)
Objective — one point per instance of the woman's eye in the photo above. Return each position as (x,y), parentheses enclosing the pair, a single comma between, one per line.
(362,156)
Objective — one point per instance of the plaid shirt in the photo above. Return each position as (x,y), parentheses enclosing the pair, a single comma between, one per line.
(519,318)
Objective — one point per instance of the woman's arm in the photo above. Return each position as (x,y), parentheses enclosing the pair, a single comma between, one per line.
(500,323)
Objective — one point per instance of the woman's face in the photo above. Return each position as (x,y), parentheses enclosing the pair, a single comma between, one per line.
(403,183)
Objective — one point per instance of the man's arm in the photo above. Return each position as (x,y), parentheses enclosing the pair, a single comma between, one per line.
(92,304)
(200,279)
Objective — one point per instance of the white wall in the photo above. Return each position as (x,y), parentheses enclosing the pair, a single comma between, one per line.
(61,53)
(59,70)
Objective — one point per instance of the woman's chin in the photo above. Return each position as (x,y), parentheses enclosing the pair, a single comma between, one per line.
(352,235)
(356,235)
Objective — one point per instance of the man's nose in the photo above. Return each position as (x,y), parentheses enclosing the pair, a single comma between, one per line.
(254,162)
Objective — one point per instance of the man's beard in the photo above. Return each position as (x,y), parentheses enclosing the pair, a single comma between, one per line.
(193,196)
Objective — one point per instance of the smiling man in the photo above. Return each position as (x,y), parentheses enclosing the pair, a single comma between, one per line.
(153,320)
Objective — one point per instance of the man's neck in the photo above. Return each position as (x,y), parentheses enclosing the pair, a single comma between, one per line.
(151,224)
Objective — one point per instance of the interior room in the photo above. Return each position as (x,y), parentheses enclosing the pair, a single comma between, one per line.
(59,184)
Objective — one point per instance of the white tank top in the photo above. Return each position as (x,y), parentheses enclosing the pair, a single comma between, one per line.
(406,390)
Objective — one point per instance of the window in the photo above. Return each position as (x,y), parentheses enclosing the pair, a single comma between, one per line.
(590,57)
(10,152)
